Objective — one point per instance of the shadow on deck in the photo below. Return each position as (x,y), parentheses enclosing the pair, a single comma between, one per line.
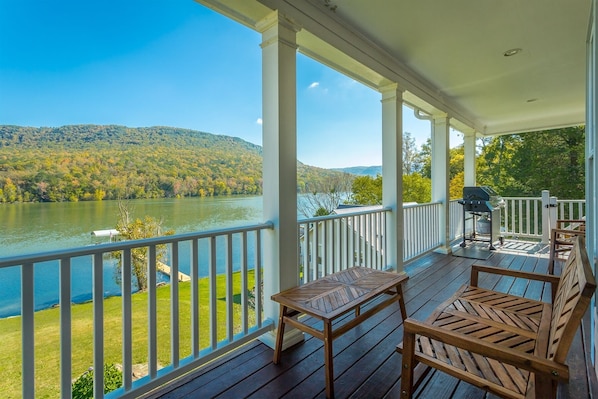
(365,362)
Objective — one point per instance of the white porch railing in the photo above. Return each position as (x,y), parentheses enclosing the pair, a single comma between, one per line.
(332,243)
(327,244)
(422,229)
(455,220)
(571,209)
(223,252)
(522,217)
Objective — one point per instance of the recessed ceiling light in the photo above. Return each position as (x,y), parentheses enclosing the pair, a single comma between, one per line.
(512,52)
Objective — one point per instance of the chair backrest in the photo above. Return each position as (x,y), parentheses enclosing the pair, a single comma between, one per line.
(571,224)
(573,295)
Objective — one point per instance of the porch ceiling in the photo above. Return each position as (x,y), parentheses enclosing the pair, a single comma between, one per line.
(448,55)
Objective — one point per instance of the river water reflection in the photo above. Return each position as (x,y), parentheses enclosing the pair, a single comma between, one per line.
(40,227)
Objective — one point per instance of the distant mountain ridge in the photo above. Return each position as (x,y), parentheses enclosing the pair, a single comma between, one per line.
(372,171)
(85,136)
(94,162)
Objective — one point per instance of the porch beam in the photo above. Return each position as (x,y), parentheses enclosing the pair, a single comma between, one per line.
(392,173)
(360,51)
(281,267)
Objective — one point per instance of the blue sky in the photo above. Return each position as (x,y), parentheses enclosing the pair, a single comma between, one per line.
(171,63)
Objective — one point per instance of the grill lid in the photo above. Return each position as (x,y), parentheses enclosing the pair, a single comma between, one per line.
(480,199)
(479,193)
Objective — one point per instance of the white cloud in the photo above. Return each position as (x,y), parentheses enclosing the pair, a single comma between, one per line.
(259,121)
(314,85)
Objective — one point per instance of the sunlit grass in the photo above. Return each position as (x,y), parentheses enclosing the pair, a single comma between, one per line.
(47,334)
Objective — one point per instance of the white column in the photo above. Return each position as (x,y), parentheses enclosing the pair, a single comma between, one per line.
(469,159)
(392,173)
(440,175)
(279,114)
(591,164)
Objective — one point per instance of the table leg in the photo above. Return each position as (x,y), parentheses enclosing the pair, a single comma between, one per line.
(328,359)
(279,334)
(401,301)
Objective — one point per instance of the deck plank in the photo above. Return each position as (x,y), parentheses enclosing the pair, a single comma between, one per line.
(365,362)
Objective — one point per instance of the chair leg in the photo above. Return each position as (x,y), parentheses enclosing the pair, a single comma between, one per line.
(552,254)
(545,387)
(408,365)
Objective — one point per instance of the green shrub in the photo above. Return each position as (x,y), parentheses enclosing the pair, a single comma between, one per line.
(83,386)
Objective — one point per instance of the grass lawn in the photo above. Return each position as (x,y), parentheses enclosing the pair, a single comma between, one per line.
(47,334)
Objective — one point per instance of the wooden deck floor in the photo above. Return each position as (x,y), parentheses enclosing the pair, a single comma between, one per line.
(365,362)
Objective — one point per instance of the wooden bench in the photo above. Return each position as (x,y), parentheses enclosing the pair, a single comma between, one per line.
(511,346)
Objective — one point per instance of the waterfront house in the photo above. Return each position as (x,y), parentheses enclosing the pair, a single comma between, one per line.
(483,68)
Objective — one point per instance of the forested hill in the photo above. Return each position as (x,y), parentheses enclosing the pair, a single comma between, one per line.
(92,162)
(371,171)
(78,137)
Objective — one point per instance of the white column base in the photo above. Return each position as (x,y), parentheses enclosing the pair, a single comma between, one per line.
(444,250)
(292,336)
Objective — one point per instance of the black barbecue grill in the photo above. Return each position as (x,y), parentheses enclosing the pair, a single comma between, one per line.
(481,205)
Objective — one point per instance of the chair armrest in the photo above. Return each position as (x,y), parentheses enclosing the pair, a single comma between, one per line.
(536,364)
(476,269)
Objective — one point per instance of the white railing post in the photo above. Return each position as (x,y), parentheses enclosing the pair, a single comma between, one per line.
(66,363)
(545,216)
(27,331)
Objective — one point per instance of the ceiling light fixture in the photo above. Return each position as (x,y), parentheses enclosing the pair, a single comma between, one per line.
(512,52)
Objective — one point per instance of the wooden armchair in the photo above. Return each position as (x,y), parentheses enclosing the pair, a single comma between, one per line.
(511,346)
(562,238)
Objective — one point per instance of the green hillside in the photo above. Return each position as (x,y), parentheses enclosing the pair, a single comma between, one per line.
(371,171)
(92,162)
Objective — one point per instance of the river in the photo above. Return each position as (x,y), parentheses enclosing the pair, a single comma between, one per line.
(40,227)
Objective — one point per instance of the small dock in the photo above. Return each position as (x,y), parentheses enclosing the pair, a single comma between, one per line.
(164,268)
(111,234)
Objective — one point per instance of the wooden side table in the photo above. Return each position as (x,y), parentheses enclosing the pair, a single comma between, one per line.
(331,297)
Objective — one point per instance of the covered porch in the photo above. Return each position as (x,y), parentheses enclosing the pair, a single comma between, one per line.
(455,66)
(485,69)
(431,57)
(366,365)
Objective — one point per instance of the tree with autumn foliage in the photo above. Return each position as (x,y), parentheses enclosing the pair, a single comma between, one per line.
(131,228)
